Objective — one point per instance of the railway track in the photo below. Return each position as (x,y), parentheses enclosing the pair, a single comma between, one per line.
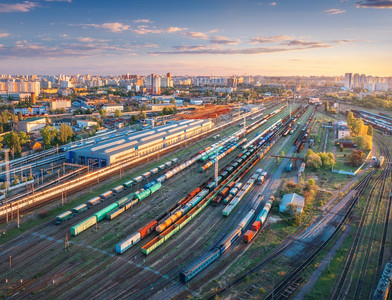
(105,263)
(373,200)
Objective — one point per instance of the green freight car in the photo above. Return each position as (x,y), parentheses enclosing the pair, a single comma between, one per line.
(82,226)
(124,200)
(128,184)
(64,217)
(155,187)
(143,195)
(103,212)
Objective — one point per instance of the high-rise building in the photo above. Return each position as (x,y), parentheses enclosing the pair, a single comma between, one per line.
(153,83)
(348,80)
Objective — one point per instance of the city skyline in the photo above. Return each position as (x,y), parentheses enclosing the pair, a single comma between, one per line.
(271,38)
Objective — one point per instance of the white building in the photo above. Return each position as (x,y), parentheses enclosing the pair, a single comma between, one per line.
(60,103)
(348,80)
(113,107)
(343,130)
(294,199)
(85,123)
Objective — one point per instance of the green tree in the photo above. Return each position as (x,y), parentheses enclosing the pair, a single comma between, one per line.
(142,115)
(20,116)
(314,161)
(135,118)
(48,133)
(23,137)
(103,113)
(65,133)
(117,113)
(327,159)
(363,142)
(12,141)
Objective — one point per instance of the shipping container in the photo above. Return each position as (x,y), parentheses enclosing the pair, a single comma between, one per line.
(256,225)
(248,236)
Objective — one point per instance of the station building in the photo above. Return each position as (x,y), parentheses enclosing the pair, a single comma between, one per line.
(139,143)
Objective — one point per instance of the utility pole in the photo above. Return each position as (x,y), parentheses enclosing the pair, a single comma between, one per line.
(18,217)
(244,126)
(10,262)
(216,170)
(66,244)
(7,169)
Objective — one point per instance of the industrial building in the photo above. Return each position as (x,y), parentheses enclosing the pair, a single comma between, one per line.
(294,199)
(33,124)
(138,143)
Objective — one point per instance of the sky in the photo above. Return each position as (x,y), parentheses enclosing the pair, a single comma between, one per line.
(214,37)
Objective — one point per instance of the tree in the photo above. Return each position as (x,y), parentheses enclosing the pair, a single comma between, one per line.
(135,118)
(292,208)
(103,113)
(326,106)
(357,126)
(48,133)
(327,159)
(117,113)
(23,137)
(173,101)
(350,118)
(12,141)
(355,158)
(363,142)
(20,116)
(142,115)
(314,161)
(65,133)
(370,130)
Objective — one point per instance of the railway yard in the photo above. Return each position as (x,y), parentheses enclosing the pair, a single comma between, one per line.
(197,217)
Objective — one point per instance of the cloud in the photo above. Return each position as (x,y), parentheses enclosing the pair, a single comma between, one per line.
(292,45)
(144,29)
(142,21)
(113,27)
(334,11)
(4,34)
(269,39)
(26,49)
(273,3)
(18,7)
(85,39)
(196,35)
(223,40)
(375,4)
(69,1)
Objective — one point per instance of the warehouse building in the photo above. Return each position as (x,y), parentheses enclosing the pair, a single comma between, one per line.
(138,143)
(292,199)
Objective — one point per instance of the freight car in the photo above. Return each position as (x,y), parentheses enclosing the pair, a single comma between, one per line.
(80,208)
(106,195)
(64,217)
(94,201)
(118,189)
(136,237)
(205,260)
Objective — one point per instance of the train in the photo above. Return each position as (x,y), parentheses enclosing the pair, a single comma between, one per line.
(260,220)
(208,258)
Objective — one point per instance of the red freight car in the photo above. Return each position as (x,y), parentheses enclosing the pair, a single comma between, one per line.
(148,228)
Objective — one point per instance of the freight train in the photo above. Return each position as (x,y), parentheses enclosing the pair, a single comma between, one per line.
(208,258)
